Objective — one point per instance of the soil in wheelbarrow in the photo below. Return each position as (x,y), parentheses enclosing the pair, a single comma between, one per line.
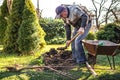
(60,58)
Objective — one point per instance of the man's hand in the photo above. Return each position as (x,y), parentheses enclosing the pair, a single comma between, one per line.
(81,30)
(68,43)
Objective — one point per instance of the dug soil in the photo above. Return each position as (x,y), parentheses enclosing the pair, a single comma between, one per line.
(60,59)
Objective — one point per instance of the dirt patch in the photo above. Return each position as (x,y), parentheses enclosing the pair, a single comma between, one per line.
(59,58)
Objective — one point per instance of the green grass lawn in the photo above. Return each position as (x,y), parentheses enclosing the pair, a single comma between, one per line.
(102,68)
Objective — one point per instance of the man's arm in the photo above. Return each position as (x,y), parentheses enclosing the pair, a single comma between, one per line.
(84,20)
(68,31)
(81,14)
(83,24)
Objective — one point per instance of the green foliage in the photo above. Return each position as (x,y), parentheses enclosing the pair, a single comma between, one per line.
(109,32)
(3,22)
(55,32)
(90,36)
(14,22)
(23,34)
(38,61)
(31,35)
(56,41)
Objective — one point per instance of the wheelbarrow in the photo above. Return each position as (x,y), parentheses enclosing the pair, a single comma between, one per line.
(101,47)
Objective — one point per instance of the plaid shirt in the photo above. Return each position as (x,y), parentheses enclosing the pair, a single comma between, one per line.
(76,17)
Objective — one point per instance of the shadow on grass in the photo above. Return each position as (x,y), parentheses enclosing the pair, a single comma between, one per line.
(76,74)
(6,74)
(107,76)
(45,75)
(50,75)
(102,60)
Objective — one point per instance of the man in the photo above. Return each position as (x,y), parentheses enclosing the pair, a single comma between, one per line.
(75,16)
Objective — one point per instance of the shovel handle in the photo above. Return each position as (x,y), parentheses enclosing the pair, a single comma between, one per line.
(74,37)
(63,48)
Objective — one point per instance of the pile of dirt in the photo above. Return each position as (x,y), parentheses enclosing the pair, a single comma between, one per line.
(59,58)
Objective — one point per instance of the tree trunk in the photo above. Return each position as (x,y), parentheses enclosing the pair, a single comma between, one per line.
(9,5)
(106,18)
(97,23)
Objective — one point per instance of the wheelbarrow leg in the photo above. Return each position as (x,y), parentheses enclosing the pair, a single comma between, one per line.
(113,62)
(109,62)
(92,60)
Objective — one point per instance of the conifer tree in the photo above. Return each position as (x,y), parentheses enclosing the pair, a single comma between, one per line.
(31,35)
(14,22)
(3,20)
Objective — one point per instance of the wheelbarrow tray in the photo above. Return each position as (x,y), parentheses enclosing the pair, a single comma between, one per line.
(93,47)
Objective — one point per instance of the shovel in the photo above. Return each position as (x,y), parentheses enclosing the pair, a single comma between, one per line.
(63,48)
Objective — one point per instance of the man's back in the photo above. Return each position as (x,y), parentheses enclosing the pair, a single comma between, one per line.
(75,13)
